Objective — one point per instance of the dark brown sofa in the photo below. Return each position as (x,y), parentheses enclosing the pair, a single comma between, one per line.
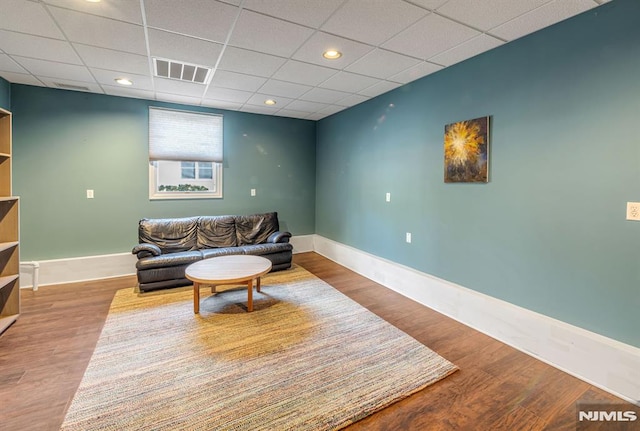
(168,246)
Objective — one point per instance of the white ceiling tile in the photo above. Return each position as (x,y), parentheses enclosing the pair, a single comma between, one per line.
(268,35)
(8,65)
(99,31)
(233,106)
(123,10)
(128,92)
(381,63)
(113,60)
(430,36)
(304,106)
(429,4)
(228,95)
(26,45)
(541,17)
(237,81)
(372,21)
(423,69)
(349,82)
(205,19)
(352,100)
(175,98)
(250,62)
(303,73)
(282,88)
(60,83)
(331,109)
(21,78)
(28,17)
(290,113)
(52,69)
(259,109)
(311,13)
(324,95)
(467,50)
(312,50)
(108,77)
(174,86)
(379,88)
(258,100)
(486,14)
(182,48)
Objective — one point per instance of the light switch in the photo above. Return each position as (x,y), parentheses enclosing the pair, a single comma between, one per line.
(409,237)
(388,197)
(89,194)
(253,192)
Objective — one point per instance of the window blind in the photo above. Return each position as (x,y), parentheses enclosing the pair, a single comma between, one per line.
(184,136)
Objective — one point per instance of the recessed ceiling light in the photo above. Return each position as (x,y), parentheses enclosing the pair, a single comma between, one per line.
(94,1)
(270,102)
(331,54)
(124,81)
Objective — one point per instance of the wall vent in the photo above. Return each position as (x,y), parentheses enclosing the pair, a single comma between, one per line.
(71,87)
(181,71)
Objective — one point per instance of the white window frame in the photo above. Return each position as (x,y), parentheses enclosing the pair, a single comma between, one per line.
(217,170)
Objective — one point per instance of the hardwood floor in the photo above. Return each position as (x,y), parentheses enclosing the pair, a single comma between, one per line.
(44,354)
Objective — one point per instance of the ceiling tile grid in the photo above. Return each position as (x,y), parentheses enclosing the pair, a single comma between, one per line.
(258,49)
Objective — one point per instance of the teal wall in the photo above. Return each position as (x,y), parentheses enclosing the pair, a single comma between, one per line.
(5,94)
(548,232)
(66,142)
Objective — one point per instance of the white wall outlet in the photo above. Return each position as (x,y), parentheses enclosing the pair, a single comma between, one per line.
(408,237)
(633,211)
(253,192)
(89,194)
(388,197)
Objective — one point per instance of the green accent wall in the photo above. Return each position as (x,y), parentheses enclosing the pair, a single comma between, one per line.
(5,94)
(66,142)
(548,232)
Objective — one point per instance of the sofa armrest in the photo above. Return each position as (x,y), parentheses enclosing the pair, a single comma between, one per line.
(279,237)
(146,250)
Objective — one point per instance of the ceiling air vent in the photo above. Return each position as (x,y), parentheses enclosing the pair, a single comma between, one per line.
(71,87)
(183,71)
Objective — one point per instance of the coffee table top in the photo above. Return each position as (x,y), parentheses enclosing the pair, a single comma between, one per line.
(228,269)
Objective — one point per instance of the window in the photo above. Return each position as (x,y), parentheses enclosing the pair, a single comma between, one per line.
(185,154)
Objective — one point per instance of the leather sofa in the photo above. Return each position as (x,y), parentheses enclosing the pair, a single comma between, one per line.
(167,246)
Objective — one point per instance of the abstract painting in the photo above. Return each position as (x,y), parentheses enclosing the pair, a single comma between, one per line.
(466,151)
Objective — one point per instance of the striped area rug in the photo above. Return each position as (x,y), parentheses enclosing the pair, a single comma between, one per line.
(306,358)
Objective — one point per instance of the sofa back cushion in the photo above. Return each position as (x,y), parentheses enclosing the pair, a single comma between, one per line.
(217,231)
(256,228)
(171,235)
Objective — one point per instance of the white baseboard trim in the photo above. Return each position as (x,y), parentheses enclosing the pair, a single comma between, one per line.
(78,269)
(603,362)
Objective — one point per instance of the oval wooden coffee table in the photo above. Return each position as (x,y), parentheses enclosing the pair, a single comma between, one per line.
(227,270)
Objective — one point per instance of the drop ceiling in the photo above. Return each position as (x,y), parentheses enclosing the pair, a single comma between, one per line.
(258,49)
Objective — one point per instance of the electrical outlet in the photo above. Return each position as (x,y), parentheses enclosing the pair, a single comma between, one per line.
(633,211)
(408,237)
(253,192)
(388,197)
(89,194)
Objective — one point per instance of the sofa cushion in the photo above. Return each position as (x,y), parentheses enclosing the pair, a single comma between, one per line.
(171,235)
(267,248)
(168,260)
(256,228)
(216,231)
(222,251)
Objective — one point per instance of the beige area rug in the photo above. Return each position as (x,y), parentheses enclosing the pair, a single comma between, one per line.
(307,358)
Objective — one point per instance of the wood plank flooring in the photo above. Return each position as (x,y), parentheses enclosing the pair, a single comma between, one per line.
(43,357)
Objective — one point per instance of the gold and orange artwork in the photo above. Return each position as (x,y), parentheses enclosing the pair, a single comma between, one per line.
(466,151)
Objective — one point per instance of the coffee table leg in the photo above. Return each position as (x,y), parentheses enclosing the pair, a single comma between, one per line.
(196,298)
(258,284)
(250,295)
